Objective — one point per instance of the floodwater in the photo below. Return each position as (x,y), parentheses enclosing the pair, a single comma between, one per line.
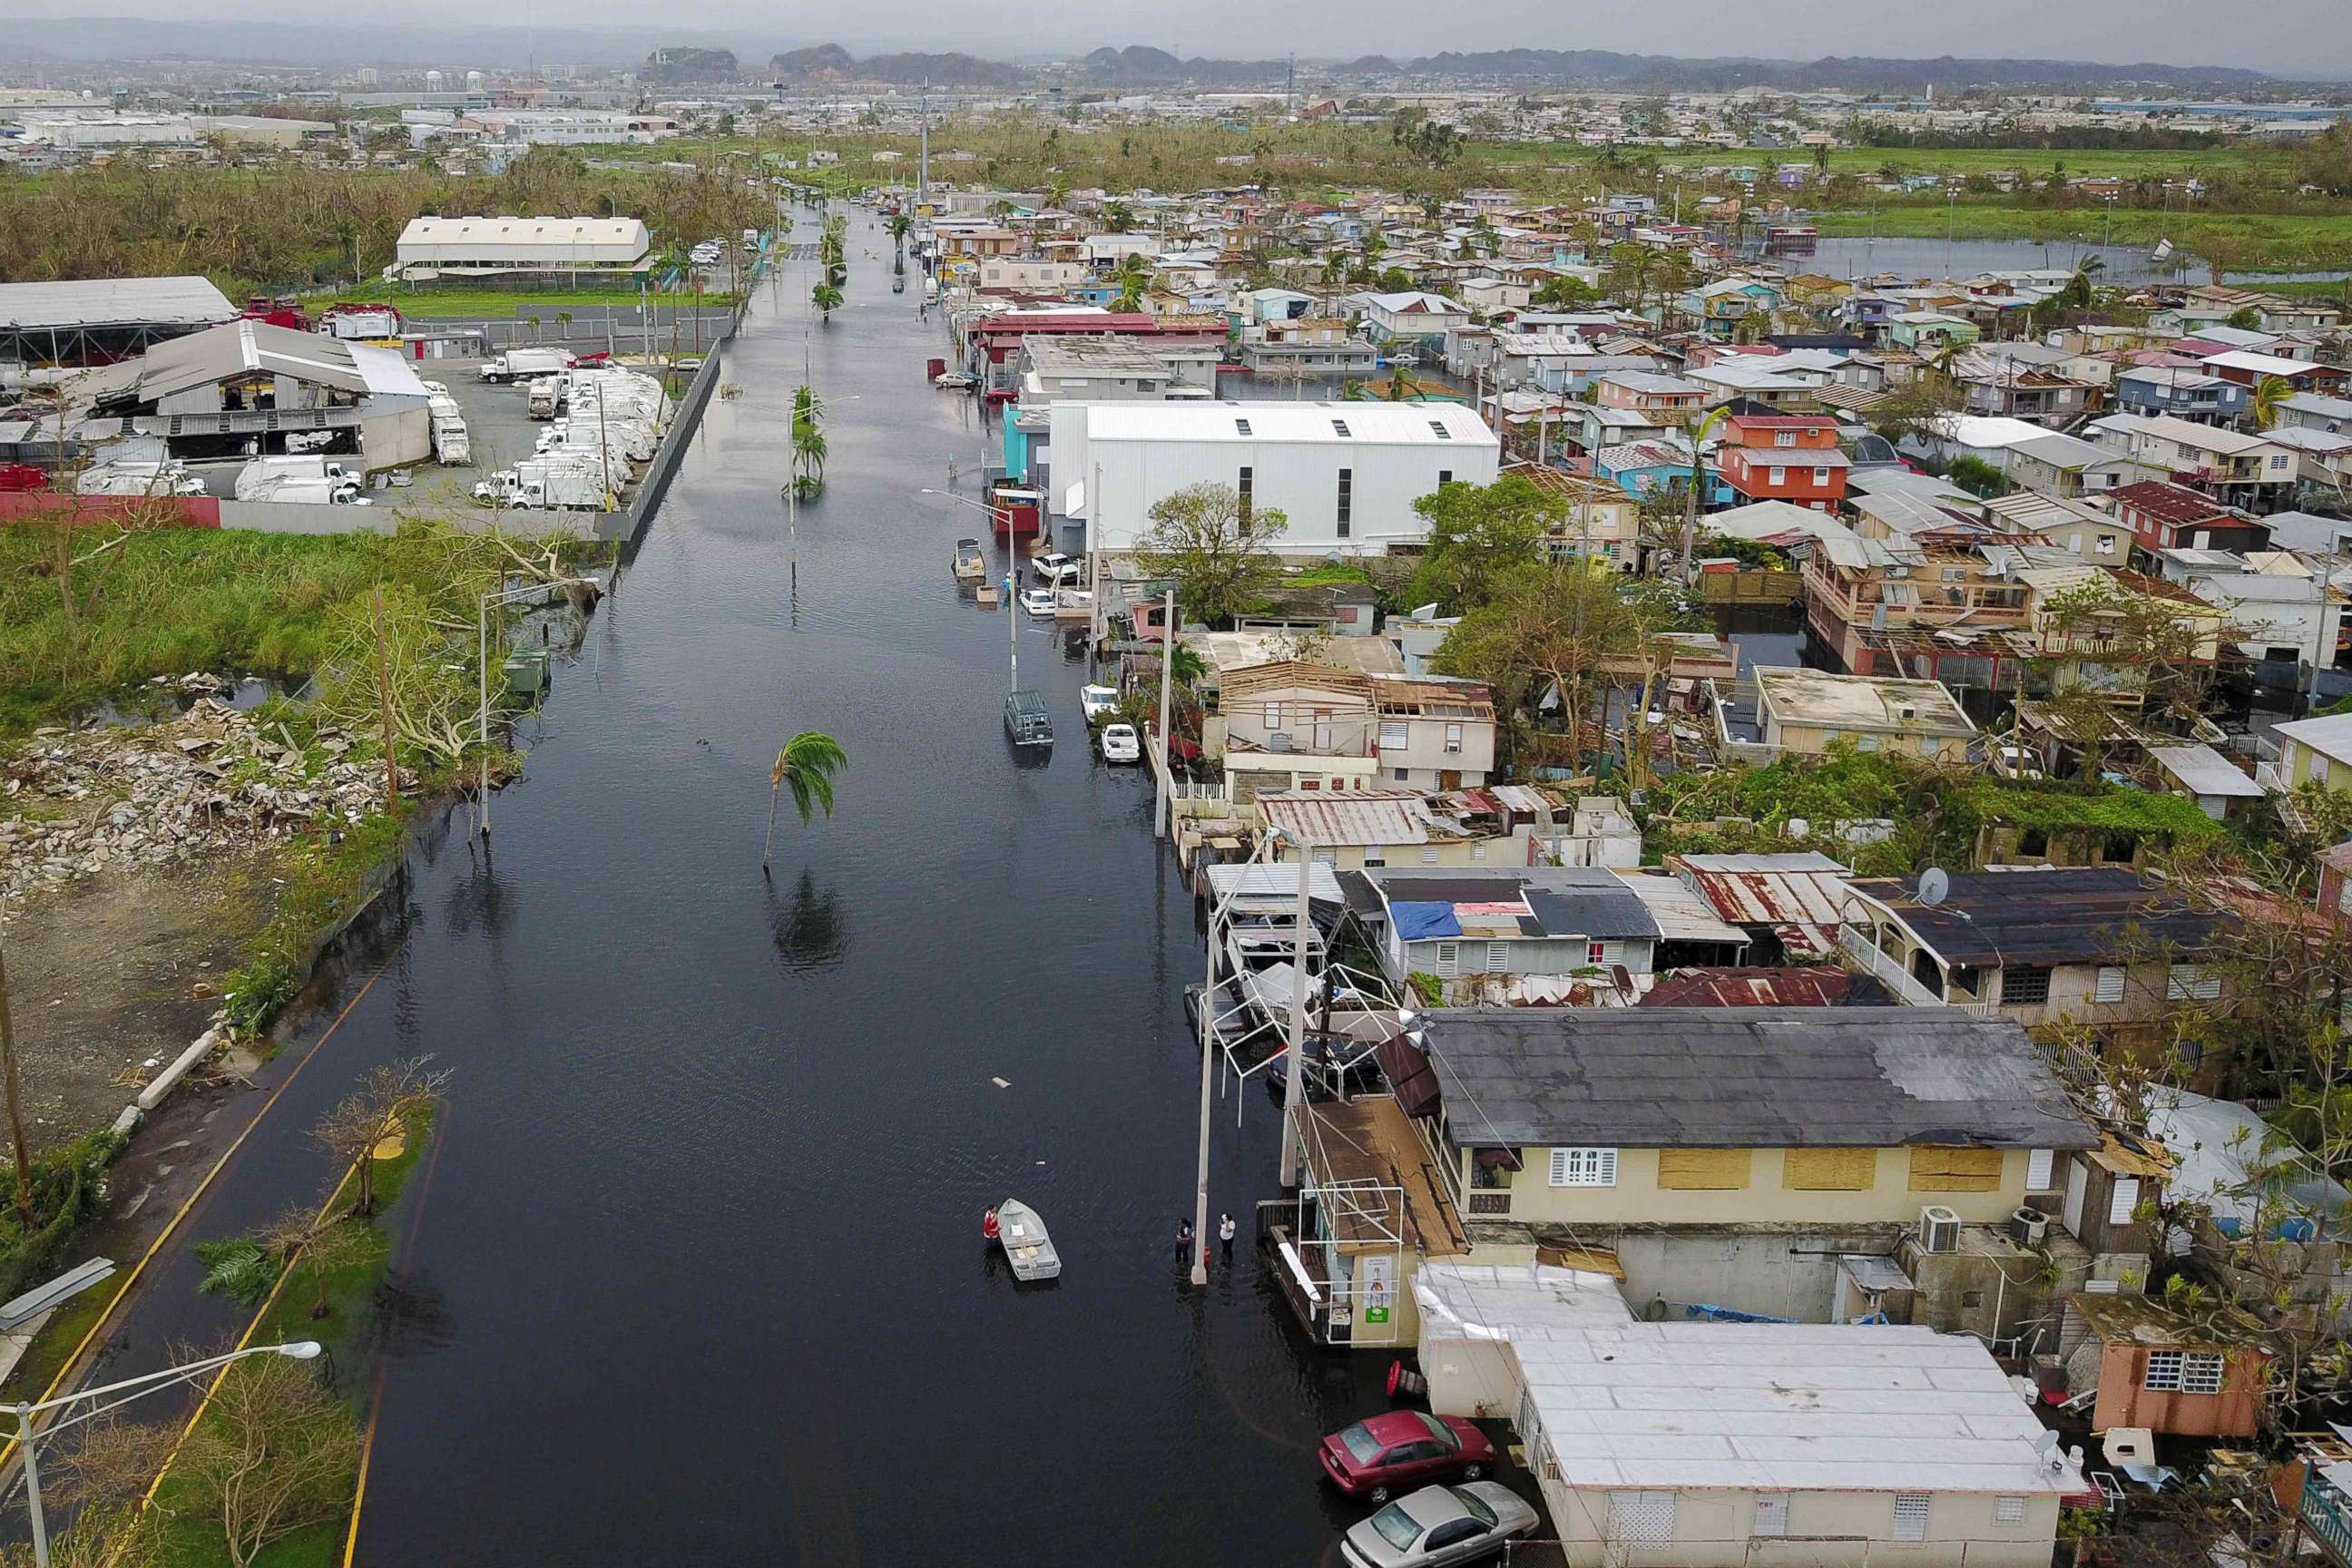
(1931,257)
(695,1273)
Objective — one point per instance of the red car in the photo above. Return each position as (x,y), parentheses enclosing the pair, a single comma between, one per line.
(1402,1449)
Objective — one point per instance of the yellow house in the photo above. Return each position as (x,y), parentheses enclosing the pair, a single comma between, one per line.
(1804,710)
(1669,1134)
(2314,750)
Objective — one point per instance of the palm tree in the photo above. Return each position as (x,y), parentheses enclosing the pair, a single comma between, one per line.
(1132,276)
(900,227)
(1699,433)
(1117,215)
(2263,403)
(824,297)
(1185,663)
(805,766)
(1399,383)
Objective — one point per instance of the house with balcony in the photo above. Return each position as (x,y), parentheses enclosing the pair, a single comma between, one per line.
(1719,307)
(1308,348)
(2190,394)
(2278,609)
(1292,725)
(2091,945)
(1411,316)
(1601,522)
(2011,391)
(1759,378)
(1930,333)
(1734,1156)
(1537,936)
(2245,471)
(1670,399)
(2056,465)
(1881,604)
(1792,458)
(2247,367)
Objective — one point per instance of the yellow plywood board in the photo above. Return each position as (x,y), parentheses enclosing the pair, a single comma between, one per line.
(1704,1170)
(1941,1170)
(1830,1170)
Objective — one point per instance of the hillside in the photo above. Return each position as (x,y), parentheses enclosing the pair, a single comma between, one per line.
(832,63)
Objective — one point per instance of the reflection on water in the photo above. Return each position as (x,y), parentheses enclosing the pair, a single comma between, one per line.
(810,931)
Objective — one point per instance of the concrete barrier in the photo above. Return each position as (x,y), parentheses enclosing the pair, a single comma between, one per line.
(630,521)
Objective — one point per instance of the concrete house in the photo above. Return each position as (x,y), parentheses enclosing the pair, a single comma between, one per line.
(1742,1445)
(2235,469)
(1732,1156)
(1802,711)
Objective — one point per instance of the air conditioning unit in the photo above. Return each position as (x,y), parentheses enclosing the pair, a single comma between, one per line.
(1277,742)
(2027,1227)
(1907,712)
(1939,1228)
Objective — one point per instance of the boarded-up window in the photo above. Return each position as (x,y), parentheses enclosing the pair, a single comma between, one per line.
(1830,1170)
(1941,1170)
(1696,1170)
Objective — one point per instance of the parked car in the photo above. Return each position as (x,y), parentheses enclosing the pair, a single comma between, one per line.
(1120,743)
(1400,1448)
(1056,570)
(2017,762)
(1099,702)
(1037,601)
(1438,1526)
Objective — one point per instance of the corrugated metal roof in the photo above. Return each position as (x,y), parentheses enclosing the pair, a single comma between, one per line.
(1683,915)
(112,303)
(1799,895)
(1349,816)
(1814,986)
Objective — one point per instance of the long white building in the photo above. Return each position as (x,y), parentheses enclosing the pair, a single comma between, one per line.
(1344,474)
(492,246)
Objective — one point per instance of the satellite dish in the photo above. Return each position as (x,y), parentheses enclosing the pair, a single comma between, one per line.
(1798,827)
(1934,887)
(2045,1442)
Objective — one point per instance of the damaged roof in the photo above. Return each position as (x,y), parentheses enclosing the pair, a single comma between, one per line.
(1773,1077)
(2069,914)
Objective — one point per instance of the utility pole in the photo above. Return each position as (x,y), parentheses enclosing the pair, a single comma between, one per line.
(1167,684)
(15,1111)
(1294,1072)
(1208,1054)
(383,703)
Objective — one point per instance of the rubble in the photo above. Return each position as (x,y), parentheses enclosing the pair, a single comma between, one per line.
(113,796)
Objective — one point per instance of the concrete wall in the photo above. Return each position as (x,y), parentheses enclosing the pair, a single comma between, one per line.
(654,483)
(1779,1271)
(1714,1528)
(1764,1199)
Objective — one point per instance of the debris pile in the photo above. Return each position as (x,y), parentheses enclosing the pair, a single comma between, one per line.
(75,803)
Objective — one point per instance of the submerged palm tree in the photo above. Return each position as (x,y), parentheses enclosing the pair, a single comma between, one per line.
(825,297)
(805,766)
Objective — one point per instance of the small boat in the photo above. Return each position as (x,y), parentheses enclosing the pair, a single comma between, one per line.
(1027,1245)
(954,381)
(971,565)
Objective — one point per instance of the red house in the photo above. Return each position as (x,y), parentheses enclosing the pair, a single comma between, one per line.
(1790,458)
(2165,516)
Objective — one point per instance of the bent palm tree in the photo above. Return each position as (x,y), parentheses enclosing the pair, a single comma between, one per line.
(805,766)
(825,297)
(1399,383)
(2263,403)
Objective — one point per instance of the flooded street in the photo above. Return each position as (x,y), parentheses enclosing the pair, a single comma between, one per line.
(698,1273)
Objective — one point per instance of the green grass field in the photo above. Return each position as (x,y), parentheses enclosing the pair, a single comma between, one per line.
(444,303)
(2285,242)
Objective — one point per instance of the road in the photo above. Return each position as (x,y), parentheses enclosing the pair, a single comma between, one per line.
(696,1275)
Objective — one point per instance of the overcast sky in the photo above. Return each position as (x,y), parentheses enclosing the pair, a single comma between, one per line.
(2295,36)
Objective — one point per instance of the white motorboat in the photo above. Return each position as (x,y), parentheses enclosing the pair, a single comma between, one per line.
(1026,1245)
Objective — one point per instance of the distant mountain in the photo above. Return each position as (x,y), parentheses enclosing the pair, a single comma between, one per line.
(1672,73)
(691,65)
(1139,64)
(831,62)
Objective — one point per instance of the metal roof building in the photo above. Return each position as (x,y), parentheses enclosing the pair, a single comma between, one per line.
(488,247)
(101,320)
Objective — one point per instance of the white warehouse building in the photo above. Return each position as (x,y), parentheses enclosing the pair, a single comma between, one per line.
(1344,474)
(433,248)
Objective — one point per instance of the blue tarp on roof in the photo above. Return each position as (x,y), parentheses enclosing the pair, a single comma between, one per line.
(1418,922)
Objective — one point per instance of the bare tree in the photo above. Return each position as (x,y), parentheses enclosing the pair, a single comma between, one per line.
(319,1245)
(274,1454)
(375,1114)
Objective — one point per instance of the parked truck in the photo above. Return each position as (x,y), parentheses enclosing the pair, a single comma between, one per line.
(167,478)
(360,323)
(302,490)
(541,483)
(264,474)
(525,364)
(543,397)
(451,444)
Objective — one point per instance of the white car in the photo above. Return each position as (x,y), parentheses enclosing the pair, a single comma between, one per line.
(1121,744)
(1098,702)
(1056,570)
(1437,1527)
(1037,601)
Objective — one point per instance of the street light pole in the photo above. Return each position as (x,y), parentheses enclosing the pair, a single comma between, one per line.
(129,1389)
(1167,679)
(482,653)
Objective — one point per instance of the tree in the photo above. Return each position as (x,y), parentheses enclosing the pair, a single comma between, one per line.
(2263,403)
(1923,406)
(433,699)
(1133,276)
(1697,496)
(1977,476)
(808,443)
(1565,293)
(1400,383)
(320,1246)
(1545,630)
(1118,216)
(375,1115)
(805,766)
(1219,552)
(825,297)
(274,1455)
(1477,534)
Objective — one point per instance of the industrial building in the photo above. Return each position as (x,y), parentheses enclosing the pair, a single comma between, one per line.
(100,321)
(479,248)
(240,390)
(1345,475)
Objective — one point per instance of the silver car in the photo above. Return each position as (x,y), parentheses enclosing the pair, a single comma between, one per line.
(1438,1526)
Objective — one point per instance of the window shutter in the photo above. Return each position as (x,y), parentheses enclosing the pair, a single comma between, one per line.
(2163,1373)
(1829,1170)
(1449,960)
(2037,1171)
(2190,982)
(1911,1516)
(2122,1199)
(1771,1514)
(1606,1168)
(2110,986)
(1559,1167)
(2200,1373)
(1704,1170)
(1499,958)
